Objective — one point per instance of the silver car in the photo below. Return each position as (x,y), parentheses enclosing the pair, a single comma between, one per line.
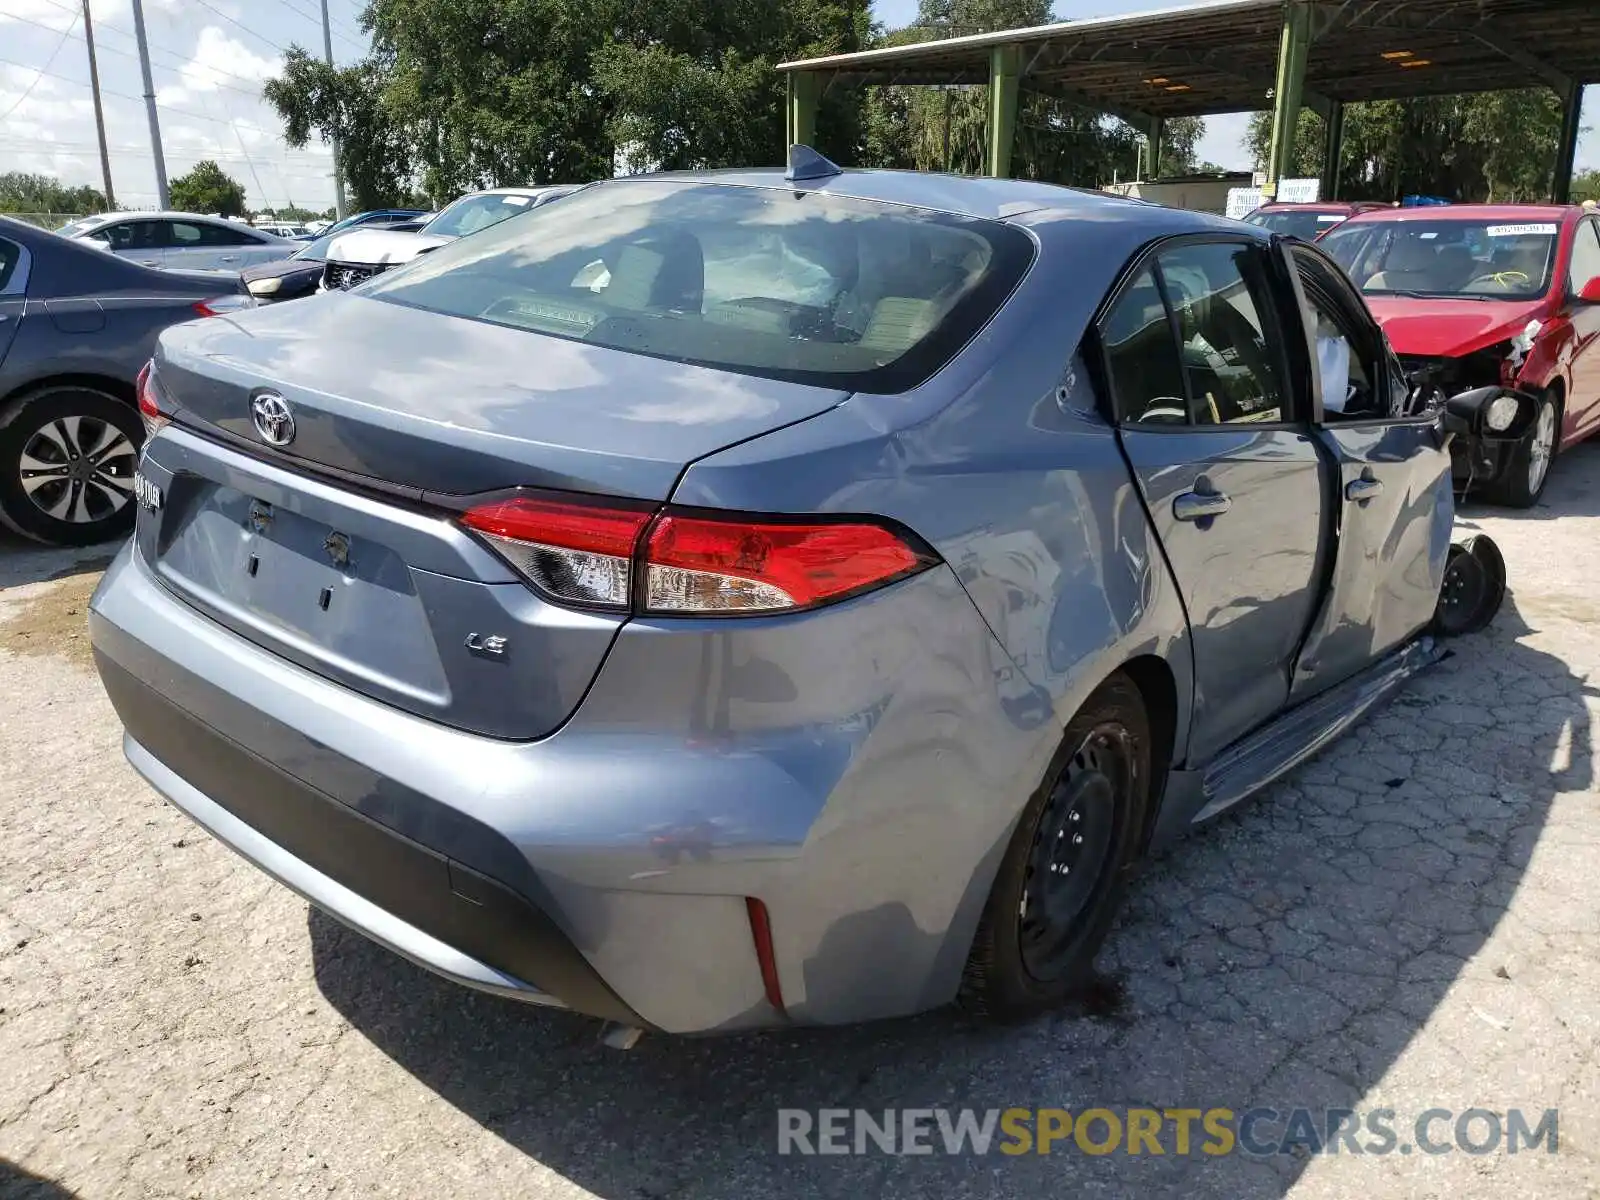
(763,598)
(184,241)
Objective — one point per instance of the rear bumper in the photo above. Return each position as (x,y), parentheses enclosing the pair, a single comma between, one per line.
(855,769)
(439,913)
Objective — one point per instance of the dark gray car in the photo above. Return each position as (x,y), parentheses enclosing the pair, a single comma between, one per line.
(745,599)
(76,326)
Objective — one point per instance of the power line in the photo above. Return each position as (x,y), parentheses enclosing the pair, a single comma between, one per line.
(259,36)
(185,65)
(60,42)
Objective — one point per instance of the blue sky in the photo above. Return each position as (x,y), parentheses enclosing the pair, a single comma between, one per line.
(209,60)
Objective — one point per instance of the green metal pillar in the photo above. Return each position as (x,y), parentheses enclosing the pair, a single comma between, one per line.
(1293,46)
(1567,147)
(1332,149)
(1005,72)
(804,89)
(1153,167)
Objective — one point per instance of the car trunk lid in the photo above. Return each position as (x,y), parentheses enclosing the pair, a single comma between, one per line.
(379,587)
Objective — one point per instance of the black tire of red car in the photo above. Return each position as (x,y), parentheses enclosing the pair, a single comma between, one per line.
(1515,488)
(67,459)
(1066,867)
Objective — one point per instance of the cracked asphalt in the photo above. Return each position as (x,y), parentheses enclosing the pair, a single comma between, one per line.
(1411,921)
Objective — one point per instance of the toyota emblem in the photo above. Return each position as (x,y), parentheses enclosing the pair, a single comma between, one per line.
(269,413)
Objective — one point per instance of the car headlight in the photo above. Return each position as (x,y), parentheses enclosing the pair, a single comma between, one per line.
(265,287)
(1502,412)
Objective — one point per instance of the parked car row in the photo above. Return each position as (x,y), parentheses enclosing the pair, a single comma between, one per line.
(767,598)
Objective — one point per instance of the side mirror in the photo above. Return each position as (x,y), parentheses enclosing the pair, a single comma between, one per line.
(1589,293)
(1494,413)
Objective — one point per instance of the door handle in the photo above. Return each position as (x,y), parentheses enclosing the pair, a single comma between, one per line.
(1198,506)
(151,262)
(230,258)
(1361,490)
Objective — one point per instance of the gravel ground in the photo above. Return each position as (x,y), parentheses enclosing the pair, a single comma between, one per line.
(1408,922)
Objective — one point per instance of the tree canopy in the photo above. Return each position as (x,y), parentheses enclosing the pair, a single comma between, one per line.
(21,192)
(461,94)
(208,189)
(1487,146)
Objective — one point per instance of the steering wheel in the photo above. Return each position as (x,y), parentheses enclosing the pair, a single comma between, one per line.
(1506,278)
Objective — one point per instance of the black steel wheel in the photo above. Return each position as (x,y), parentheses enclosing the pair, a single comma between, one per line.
(1062,877)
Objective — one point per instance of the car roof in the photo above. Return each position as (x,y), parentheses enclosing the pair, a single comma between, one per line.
(1471,212)
(961,195)
(1315,206)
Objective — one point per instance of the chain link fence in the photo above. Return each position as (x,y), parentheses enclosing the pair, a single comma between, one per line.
(45,220)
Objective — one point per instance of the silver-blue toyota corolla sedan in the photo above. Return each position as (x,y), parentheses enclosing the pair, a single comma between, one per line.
(745,598)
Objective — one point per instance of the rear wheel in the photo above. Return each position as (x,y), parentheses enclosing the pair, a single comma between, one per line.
(1065,869)
(67,458)
(1528,469)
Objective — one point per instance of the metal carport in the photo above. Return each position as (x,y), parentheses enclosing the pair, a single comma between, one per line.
(1240,55)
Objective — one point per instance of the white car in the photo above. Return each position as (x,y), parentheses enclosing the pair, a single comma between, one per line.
(283,229)
(357,256)
(185,241)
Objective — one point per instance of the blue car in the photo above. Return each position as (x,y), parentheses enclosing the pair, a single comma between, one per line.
(377,218)
(762,598)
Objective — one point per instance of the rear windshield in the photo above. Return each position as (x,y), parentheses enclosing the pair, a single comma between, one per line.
(1307,225)
(789,285)
(1448,258)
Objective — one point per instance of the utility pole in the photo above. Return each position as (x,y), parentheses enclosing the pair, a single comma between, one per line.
(162,196)
(338,170)
(99,117)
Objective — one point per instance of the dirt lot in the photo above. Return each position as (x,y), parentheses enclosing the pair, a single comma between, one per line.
(1411,921)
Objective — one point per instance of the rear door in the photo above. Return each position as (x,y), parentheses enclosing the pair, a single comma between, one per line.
(1583,401)
(14,261)
(1394,508)
(141,239)
(1223,452)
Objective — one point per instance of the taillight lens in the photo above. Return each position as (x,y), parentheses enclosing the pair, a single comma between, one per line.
(216,306)
(571,550)
(726,565)
(690,563)
(150,402)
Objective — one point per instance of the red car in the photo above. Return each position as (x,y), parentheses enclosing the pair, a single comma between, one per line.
(1479,294)
(1308,221)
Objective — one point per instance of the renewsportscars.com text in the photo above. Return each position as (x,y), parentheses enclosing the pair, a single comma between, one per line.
(1261,1132)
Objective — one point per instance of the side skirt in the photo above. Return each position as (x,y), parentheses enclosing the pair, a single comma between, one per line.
(1247,766)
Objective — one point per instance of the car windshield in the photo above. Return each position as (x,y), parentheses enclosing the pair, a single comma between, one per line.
(788,285)
(1306,225)
(1451,257)
(316,251)
(74,228)
(472,213)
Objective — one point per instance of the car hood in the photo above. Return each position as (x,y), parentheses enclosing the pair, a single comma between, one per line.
(1428,328)
(371,247)
(281,268)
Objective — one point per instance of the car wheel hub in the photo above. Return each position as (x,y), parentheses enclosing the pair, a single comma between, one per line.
(1540,445)
(1068,864)
(78,469)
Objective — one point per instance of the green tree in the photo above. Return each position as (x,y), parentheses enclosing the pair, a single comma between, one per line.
(208,189)
(691,83)
(1485,146)
(377,155)
(1586,186)
(496,91)
(21,192)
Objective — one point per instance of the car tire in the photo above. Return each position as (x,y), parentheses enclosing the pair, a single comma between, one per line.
(1042,927)
(1519,485)
(94,438)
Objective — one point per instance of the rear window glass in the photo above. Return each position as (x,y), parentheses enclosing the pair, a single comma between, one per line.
(789,285)
(1307,225)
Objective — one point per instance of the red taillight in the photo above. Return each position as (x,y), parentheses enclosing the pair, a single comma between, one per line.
(708,565)
(216,306)
(690,564)
(761,934)
(573,551)
(150,402)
